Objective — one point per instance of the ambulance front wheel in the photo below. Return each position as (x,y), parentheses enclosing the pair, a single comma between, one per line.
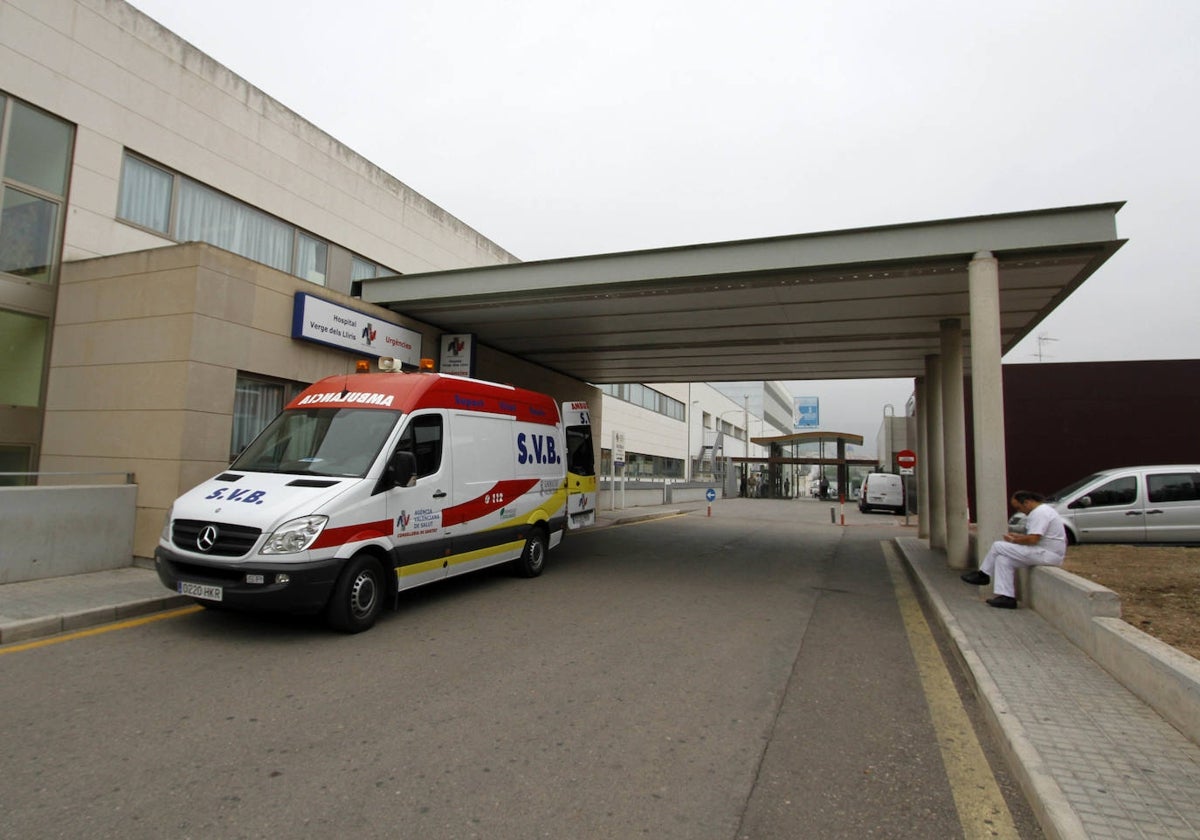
(357,596)
(533,556)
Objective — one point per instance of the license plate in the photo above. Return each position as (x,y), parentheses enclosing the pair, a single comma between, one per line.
(199,590)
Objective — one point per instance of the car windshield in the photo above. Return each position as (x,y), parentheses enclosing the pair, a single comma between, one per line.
(341,442)
(1062,494)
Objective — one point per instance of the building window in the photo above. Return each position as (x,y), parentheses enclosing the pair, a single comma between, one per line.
(647,398)
(361,269)
(15,459)
(256,401)
(38,149)
(188,211)
(206,215)
(36,157)
(22,358)
(312,258)
(145,195)
(28,225)
(364,269)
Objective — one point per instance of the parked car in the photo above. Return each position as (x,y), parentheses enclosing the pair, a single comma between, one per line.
(882,491)
(1158,504)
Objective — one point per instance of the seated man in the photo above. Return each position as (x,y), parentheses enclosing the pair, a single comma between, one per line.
(1044,543)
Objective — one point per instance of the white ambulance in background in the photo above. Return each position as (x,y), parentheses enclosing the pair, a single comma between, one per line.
(372,483)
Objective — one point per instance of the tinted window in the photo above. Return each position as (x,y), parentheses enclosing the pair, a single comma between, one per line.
(1119,491)
(423,438)
(1173,487)
(580,458)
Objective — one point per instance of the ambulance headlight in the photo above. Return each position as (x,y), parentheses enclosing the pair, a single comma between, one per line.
(295,535)
(166,531)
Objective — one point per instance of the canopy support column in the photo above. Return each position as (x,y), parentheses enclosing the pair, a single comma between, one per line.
(987,397)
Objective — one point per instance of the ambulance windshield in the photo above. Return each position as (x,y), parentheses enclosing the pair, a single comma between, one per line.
(340,442)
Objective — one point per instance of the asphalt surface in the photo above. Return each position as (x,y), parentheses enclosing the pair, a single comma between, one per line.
(120,719)
(742,675)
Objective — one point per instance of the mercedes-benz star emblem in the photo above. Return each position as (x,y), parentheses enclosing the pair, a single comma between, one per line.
(207,538)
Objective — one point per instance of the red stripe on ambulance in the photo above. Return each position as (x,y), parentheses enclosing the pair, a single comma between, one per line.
(501,493)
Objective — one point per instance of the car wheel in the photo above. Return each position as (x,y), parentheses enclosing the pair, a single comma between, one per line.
(533,556)
(357,596)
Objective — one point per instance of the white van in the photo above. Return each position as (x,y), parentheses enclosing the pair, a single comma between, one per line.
(1159,504)
(882,491)
(369,484)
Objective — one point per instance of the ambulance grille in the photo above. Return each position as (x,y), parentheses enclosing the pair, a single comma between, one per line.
(231,541)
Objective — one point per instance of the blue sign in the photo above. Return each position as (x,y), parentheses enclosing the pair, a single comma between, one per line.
(807,413)
(710,494)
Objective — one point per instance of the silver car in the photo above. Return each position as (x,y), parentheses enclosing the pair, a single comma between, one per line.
(1158,504)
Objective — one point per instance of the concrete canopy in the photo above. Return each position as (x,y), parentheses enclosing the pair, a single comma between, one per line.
(852,304)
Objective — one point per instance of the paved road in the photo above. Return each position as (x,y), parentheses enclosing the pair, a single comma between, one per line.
(746,675)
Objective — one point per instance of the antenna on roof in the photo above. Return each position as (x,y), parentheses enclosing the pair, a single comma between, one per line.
(1041,341)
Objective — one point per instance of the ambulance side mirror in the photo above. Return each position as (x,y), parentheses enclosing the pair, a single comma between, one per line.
(401,470)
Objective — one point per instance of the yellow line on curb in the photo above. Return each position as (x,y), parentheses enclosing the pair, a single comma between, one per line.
(982,811)
(96,631)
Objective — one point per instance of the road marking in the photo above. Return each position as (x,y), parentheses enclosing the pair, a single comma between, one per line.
(96,631)
(982,811)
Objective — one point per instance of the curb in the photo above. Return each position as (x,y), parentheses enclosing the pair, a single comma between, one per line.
(36,628)
(1052,809)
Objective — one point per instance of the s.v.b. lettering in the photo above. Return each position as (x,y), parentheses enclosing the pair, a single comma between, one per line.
(536,449)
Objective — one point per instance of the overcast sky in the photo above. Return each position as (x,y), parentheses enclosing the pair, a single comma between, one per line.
(559,128)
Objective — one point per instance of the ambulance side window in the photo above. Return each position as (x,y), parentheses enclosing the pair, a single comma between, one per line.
(423,438)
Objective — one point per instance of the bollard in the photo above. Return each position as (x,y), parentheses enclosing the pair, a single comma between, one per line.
(833,516)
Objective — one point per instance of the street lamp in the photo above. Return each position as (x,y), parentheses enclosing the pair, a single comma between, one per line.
(887,433)
(687,464)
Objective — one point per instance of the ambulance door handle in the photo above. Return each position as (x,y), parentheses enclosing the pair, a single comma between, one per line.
(439,494)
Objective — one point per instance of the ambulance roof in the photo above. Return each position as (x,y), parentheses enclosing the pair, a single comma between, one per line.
(411,391)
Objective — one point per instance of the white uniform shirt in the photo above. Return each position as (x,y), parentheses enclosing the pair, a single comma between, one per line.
(1045,521)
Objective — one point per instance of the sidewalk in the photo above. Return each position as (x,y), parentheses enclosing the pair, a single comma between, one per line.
(1093,759)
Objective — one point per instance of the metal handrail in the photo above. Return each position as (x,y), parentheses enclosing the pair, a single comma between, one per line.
(129,477)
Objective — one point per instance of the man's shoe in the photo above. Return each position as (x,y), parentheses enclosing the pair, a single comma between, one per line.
(1004,602)
(976,578)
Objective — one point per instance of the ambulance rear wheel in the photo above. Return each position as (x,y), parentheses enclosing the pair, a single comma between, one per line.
(357,596)
(533,556)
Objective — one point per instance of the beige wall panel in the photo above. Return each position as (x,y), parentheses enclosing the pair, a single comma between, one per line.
(212,392)
(206,435)
(59,16)
(209,387)
(147,526)
(95,147)
(152,295)
(28,79)
(221,297)
(114,387)
(123,342)
(29,30)
(119,435)
(192,473)
(272,311)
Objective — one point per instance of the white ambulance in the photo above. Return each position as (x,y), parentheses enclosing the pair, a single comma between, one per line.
(372,483)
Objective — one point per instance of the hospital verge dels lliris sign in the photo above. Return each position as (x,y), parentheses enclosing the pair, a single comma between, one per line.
(315,319)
